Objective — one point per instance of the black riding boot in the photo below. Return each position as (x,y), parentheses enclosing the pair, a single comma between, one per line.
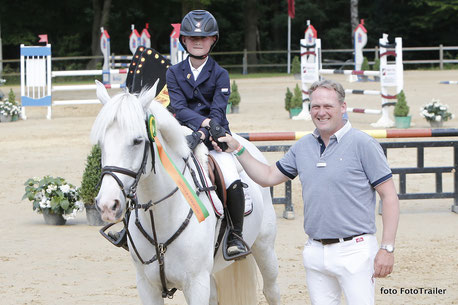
(236,207)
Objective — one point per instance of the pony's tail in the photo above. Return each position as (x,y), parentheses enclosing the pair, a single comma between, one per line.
(237,283)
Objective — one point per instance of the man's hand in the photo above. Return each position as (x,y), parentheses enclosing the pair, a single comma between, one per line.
(383,263)
(232,144)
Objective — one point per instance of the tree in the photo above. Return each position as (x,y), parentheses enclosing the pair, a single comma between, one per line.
(101,9)
(251,30)
(353,18)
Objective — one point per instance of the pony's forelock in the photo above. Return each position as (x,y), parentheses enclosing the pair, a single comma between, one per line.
(127,111)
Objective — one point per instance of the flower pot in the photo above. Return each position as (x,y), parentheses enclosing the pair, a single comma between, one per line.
(228,108)
(15,118)
(402,121)
(294,111)
(5,118)
(53,219)
(234,109)
(435,124)
(93,216)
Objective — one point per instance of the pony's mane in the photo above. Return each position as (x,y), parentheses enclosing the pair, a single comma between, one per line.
(127,110)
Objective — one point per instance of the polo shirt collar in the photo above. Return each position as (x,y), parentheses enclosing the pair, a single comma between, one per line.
(339,134)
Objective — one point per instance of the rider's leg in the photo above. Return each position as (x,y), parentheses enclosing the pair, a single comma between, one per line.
(235,202)
(236,208)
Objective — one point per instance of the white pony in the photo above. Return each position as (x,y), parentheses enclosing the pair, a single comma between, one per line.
(132,172)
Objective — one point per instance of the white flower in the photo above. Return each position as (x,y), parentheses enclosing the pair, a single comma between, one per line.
(79,205)
(438,118)
(65,188)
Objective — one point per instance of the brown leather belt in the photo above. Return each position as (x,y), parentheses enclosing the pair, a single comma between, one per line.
(330,241)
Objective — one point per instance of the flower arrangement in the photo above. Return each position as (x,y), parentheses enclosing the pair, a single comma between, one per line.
(435,111)
(9,106)
(54,195)
(9,109)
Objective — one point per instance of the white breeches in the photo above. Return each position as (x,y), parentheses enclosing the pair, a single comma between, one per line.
(345,266)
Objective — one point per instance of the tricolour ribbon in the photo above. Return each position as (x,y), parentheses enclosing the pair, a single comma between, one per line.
(189,194)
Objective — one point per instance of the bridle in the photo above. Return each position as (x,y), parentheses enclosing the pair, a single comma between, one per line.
(133,204)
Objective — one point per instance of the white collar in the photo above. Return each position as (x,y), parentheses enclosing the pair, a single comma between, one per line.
(196,72)
(339,133)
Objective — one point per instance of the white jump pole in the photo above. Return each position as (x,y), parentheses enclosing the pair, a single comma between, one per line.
(308,61)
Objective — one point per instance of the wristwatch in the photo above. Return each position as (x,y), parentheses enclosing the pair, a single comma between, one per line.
(387,248)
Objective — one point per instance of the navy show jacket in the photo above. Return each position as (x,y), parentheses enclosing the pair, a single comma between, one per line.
(207,97)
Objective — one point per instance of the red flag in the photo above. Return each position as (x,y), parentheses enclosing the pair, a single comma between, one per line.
(291,11)
(176,30)
(43,38)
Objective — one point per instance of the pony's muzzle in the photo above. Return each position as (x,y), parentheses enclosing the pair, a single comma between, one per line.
(110,210)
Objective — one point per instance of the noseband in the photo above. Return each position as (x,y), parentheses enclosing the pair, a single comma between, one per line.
(111,170)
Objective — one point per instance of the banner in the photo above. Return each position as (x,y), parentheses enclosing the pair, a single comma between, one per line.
(291,11)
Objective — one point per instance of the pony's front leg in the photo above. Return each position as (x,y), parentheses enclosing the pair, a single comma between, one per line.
(197,291)
(149,295)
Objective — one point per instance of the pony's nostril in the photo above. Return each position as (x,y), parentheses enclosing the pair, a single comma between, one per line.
(115,205)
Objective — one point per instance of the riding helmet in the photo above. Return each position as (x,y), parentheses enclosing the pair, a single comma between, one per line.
(199,23)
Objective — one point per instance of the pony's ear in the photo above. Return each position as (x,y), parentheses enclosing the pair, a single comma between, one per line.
(102,92)
(147,95)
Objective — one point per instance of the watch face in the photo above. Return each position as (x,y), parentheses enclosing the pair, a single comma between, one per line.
(388,248)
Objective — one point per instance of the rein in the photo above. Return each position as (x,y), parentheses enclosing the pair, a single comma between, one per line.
(133,204)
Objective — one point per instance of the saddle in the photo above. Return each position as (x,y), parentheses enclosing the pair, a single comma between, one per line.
(216,177)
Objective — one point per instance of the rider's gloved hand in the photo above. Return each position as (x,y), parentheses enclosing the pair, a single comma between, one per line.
(194,139)
(217,131)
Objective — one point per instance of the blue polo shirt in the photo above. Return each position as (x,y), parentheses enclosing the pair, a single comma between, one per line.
(338,181)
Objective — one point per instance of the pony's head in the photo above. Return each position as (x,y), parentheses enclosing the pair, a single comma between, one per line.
(120,131)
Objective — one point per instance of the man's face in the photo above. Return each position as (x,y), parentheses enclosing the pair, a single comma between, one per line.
(326,111)
(198,46)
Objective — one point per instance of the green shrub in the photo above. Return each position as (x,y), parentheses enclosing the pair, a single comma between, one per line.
(401,108)
(376,65)
(288,97)
(365,64)
(234,98)
(12,97)
(91,176)
(296,101)
(296,66)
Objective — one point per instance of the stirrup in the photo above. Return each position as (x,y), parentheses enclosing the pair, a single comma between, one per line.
(228,257)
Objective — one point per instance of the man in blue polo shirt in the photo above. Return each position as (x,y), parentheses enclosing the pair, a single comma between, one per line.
(340,169)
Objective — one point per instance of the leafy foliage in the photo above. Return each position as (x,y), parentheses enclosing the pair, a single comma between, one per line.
(234,98)
(401,108)
(53,194)
(288,97)
(91,176)
(435,111)
(296,65)
(376,66)
(296,101)
(365,64)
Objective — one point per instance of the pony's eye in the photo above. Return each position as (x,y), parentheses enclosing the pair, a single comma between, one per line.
(138,141)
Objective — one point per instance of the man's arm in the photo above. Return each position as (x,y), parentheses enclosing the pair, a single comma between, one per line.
(261,173)
(384,261)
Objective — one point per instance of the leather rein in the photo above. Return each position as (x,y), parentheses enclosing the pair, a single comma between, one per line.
(133,204)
